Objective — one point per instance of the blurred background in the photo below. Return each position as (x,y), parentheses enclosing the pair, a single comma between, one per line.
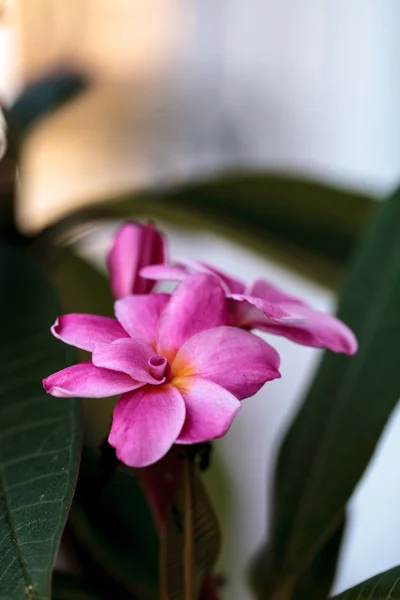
(181,91)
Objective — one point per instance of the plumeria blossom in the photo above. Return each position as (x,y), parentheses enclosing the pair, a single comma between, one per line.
(180,368)
(135,246)
(265,307)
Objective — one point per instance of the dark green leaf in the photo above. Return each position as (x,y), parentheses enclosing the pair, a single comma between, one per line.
(43,96)
(385,586)
(71,587)
(39,435)
(316,581)
(309,226)
(8,181)
(315,216)
(115,528)
(81,286)
(205,534)
(335,433)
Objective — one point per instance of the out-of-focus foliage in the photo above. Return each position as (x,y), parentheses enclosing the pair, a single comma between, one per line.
(335,433)
(73,587)
(308,226)
(43,96)
(111,522)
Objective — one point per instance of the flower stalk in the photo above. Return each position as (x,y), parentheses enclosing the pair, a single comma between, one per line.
(188,559)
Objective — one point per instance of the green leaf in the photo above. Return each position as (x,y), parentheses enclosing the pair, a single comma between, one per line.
(71,587)
(43,96)
(114,527)
(39,435)
(191,515)
(81,286)
(385,586)
(316,581)
(335,433)
(308,226)
(8,182)
(315,216)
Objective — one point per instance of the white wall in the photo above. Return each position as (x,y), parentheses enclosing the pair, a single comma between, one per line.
(311,85)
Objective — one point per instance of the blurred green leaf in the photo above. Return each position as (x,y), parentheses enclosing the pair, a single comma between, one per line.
(72,587)
(81,286)
(309,226)
(316,581)
(8,181)
(199,516)
(114,527)
(315,216)
(385,586)
(39,435)
(335,433)
(43,96)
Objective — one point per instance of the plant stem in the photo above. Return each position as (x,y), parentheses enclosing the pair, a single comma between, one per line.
(188,532)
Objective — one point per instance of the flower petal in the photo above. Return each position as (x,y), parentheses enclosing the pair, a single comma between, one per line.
(263,289)
(244,309)
(233,358)
(139,315)
(146,423)
(87,381)
(135,246)
(319,330)
(197,304)
(210,410)
(232,285)
(164,273)
(127,356)
(84,331)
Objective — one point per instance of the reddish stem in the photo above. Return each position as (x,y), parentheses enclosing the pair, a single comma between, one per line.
(159,482)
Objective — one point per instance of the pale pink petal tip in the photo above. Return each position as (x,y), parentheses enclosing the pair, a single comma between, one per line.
(87,381)
(84,331)
(317,329)
(164,273)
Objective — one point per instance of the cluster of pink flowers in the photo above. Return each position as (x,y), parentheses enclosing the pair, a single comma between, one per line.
(181,362)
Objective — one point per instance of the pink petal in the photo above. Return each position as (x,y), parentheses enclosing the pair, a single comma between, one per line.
(319,330)
(127,356)
(244,309)
(210,410)
(84,331)
(135,246)
(233,358)
(139,315)
(164,273)
(197,304)
(87,381)
(146,423)
(267,291)
(232,285)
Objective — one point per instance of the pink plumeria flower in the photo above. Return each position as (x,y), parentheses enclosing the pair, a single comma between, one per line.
(265,307)
(180,368)
(135,246)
